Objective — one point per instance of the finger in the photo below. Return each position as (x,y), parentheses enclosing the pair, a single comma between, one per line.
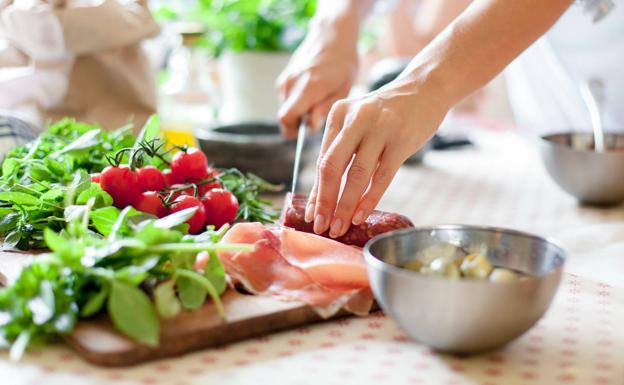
(334,124)
(284,84)
(358,179)
(388,166)
(332,167)
(320,112)
(302,97)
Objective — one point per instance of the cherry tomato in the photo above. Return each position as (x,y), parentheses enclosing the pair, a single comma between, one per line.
(189,165)
(151,179)
(221,207)
(150,202)
(204,188)
(122,184)
(167,174)
(187,191)
(198,220)
(95,177)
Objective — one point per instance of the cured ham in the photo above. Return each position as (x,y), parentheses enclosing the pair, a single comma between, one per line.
(378,222)
(298,266)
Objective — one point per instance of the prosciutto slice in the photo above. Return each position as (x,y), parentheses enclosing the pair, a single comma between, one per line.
(297,266)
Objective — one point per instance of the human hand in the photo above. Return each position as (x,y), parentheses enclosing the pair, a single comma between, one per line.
(321,71)
(368,138)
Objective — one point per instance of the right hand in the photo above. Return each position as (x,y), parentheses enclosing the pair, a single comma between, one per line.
(321,71)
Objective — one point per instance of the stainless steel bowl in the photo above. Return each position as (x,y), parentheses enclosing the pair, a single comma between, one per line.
(591,177)
(257,147)
(464,315)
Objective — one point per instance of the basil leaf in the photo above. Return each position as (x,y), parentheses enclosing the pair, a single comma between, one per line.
(95,303)
(104,218)
(11,240)
(167,302)
(53,195)
(8,219)
(9,167)
(19,198)
(191,293)
(133,314)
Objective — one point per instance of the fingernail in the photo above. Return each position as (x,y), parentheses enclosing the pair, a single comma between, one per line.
(319,224)
(336,227)
(358,218)
(309,212)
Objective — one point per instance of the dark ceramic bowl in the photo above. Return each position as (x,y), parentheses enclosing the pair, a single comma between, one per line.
(257,147)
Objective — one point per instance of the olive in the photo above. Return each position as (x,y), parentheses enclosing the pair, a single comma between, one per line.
(444,267)
(501,274)
(476,266)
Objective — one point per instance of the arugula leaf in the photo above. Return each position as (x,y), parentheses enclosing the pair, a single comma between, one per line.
(133,314)
(86,140)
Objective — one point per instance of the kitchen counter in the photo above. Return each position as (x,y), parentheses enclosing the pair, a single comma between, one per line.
(500,182)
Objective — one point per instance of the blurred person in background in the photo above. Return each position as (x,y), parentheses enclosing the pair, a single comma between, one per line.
(368,137)
(81,59)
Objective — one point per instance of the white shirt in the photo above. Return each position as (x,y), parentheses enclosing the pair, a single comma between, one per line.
(547,99)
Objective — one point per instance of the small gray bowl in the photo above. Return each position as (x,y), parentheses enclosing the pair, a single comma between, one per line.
(464,315)
(593,178)
(256,147)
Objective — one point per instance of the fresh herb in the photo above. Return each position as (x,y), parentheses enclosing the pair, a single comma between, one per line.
(141,270)
(248,25)
(34,179)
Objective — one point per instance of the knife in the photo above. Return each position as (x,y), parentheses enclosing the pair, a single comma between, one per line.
(298,151)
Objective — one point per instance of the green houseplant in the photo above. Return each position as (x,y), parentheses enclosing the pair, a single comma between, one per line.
(253,40)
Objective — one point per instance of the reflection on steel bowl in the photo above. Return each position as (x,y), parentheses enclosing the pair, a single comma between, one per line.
(592,177)
(256,147)
(464,315)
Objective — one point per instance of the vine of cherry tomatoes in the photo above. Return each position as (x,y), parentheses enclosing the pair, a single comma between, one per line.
(190,182)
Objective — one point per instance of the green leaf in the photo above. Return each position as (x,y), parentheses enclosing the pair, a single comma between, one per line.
(102,198)
(133,314)
(150,130)
(55,241)
(151,235)
(95,303)
(191,293)
(167,302)
(11,240)
(54,194)
(39,172)
(120,226)
(175,219)
(19,198)
(9,166)
(87,140)
(42,306)
(215,273)
(74,212)
(8,219)
(103,219)
(55,167)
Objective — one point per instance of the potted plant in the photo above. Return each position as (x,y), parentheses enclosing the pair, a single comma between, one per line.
(253,40)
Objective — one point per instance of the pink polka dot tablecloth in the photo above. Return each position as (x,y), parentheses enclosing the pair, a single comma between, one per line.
(500,182)
(579,341)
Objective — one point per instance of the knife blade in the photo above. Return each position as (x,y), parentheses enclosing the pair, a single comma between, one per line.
(298,151)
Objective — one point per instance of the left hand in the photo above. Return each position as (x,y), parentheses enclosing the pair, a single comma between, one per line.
(369,137)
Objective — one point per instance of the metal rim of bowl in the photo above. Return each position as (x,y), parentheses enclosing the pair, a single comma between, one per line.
(387,267)
(546,140)
(215,136)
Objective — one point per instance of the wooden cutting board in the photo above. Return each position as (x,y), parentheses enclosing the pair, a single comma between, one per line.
(248,316)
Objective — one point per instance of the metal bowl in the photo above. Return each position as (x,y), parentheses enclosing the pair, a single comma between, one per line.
(464,315)
(591,177)
(257,147)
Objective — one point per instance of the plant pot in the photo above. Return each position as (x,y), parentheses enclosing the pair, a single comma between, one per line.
(248,85)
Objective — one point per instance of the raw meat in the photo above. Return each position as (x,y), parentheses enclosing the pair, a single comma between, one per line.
(378,222)
(297,266)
